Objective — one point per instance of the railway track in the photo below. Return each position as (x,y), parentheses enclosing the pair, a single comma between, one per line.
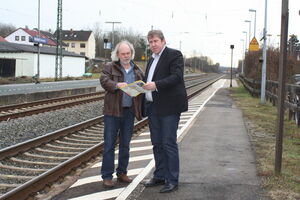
(29,167)
(36,107)
(26,109)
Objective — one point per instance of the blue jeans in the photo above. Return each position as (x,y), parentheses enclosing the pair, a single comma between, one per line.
(113,127)
(165,149)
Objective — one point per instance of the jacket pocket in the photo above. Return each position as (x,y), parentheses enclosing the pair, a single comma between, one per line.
(116,76)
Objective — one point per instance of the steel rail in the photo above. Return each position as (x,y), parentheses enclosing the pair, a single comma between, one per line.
(31,110)
(38,183)
(32,106)
(46,101)
(24,146)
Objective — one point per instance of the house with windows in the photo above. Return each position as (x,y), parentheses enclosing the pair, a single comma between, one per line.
(27,36)
(80,42)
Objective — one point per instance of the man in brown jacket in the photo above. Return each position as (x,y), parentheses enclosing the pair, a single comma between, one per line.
(119,111)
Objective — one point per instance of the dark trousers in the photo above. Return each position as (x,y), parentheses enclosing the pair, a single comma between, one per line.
(113,127)
(163,131)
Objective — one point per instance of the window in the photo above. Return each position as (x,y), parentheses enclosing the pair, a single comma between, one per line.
(68,44)
(73,45)
(82,45)
(82,53)
(17,38)
(23,38)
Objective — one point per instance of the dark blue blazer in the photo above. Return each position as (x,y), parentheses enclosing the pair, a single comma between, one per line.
(170,97)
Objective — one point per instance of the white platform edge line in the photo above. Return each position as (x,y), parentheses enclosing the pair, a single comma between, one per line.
(128,190)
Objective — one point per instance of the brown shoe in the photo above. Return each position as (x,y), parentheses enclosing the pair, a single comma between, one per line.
(124,178)
(108,183)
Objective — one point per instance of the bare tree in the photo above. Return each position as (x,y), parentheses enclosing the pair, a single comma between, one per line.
(98,39)
(6,29)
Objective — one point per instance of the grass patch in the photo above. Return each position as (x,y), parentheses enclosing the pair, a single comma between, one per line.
(262,120)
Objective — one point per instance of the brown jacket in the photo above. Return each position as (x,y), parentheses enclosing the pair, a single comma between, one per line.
(111,75)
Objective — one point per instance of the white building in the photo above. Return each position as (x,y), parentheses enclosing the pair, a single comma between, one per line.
(25,36)
(21,60)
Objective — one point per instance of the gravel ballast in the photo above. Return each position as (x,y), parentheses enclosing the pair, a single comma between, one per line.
(18,130)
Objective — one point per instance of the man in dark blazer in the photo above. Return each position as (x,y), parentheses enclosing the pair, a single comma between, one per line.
(164,104)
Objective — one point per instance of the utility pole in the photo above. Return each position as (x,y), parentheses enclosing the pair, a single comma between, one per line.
(264,64)
(231,47)
(113,33)
(38,45)
(58,58)
(281,84)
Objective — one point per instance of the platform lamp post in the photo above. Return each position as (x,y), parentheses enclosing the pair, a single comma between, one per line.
(248,21)
(231,47)
(243,56)
(253,10)
(246,40)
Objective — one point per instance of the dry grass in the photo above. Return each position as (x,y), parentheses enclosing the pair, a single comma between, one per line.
(261,120)
(27,79)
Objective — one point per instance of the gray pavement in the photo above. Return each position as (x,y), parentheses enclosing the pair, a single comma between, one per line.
(46,86)
(217,161)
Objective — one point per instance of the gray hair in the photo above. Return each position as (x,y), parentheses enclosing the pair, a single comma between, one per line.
(114,53)
(157,33)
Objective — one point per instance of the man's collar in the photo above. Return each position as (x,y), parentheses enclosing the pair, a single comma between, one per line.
(158,55)
(131,65)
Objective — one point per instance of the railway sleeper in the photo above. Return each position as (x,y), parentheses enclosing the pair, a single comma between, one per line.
(35,162)
(56,152)
(81,141)
(85,137)
(21,168)
(89,134)
(72,143)
(95,131)
(65,147)
(46,157)
(17,177)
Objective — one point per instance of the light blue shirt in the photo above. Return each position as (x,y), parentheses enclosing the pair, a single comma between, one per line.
(128,78)
(156,58)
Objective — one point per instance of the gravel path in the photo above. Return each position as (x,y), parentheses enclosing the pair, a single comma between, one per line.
(18,130)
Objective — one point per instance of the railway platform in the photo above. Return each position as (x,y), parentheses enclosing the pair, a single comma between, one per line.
(216,158)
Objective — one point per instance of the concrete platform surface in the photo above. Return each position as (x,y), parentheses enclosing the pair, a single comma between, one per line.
(216,158)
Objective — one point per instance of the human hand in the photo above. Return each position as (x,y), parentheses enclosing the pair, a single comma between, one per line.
(122,84)
(150,86)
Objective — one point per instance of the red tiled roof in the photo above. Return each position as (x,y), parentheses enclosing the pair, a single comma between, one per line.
(2,39)
(35,33)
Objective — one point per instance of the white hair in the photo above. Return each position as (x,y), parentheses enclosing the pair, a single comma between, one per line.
(114,53)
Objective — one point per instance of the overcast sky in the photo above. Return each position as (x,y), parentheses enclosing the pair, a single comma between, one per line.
(204,27)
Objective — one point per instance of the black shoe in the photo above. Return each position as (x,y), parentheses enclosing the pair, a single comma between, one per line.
(154,182)
(169,187)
